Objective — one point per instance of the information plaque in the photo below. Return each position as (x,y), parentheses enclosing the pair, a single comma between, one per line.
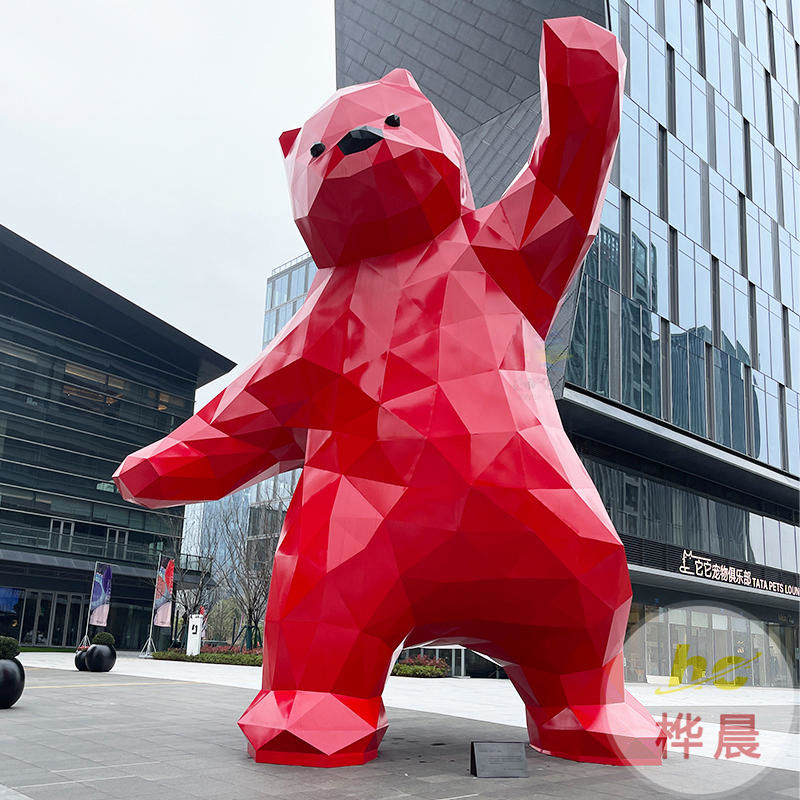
(498,760)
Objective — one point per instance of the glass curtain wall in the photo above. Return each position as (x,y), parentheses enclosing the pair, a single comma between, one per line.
(643,505)
(698,244)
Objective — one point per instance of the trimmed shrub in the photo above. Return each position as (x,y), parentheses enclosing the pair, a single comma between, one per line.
(227,657)
(409,671)
(228,649)
(421,667)
(103,637)
(9,648)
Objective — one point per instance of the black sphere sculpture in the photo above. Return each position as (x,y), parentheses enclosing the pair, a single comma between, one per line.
(12,682)
(80,660)
(100,658)
(12,674)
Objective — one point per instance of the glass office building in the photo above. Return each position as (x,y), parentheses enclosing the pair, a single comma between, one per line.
(286,289)
(86,377)
(675,360)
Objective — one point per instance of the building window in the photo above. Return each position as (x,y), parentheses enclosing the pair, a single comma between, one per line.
(632,348)
(597,337)
(679,370)
(576,364)
(792,348)
(280,290)
(792,410)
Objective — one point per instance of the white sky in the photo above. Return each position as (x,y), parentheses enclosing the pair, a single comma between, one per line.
(139,143)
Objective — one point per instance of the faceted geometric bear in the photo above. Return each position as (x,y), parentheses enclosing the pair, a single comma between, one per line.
(440,498)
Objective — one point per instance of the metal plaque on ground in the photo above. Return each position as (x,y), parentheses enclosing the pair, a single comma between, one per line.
(498,760)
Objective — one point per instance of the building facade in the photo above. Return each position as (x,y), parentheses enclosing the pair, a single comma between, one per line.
(287,286)
(86,377)
(676,359)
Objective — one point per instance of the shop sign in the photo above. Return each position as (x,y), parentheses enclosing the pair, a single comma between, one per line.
(706,567)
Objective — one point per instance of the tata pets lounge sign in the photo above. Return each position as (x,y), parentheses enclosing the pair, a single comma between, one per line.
(706,567)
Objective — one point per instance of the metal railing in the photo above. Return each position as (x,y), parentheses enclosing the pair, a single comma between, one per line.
(275,270)
(93,547)
(192,563)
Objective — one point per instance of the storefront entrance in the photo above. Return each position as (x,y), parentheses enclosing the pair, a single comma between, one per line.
(766,637)
(52,619)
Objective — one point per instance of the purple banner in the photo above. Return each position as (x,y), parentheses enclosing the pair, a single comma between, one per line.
(163,599)
(101,595)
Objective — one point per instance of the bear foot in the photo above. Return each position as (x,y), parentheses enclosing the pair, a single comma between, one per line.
(313,729)
(615,733)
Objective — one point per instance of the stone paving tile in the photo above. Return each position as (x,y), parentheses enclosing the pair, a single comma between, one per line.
(110,739)
(75,791)
(15,772)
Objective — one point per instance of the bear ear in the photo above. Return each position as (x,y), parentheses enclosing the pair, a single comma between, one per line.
(287,140)
(400,77)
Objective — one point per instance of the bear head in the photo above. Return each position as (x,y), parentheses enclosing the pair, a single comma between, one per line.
(375,170)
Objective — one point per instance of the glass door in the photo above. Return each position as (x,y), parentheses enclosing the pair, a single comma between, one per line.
(44,619)
(678,619)
(657,642)
(700,638)
(634,650)
(760,654)
(722,639)
(28,633)
(742,647)
(59,621)
(76,622)
(37,620)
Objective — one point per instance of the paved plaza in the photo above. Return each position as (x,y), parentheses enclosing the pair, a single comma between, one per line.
(157,729)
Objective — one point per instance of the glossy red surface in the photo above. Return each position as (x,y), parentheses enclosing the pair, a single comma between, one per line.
(440,498)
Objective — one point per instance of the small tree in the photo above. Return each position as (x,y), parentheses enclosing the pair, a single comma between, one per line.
(247,567)
(194,584)
(221,619)
(242,538)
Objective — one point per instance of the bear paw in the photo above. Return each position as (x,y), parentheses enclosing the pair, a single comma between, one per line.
(313,729)
(614,733)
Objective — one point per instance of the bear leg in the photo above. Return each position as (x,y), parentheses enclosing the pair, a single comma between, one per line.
(335,617)
(313,728)
(588,716)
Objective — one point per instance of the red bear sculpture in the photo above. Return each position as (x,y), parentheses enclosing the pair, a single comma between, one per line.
(440,498)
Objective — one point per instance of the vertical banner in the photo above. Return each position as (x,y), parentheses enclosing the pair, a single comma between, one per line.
(163,600)
(100,601)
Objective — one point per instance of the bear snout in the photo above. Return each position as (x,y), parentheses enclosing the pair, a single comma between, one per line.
(359,139)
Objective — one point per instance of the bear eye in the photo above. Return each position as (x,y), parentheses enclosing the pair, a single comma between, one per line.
(393,121)
(317,149)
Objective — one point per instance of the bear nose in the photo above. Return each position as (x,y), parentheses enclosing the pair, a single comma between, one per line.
(359,139)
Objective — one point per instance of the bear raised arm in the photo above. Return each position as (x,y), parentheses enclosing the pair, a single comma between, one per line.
(533,240)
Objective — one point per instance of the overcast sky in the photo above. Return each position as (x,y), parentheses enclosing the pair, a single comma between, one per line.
(138,143)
